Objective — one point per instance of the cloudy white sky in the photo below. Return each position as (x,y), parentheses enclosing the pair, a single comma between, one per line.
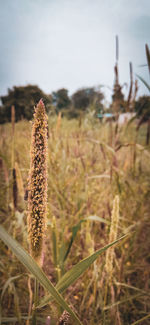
(71,44)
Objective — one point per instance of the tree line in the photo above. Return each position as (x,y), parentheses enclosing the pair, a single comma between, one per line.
(24,98)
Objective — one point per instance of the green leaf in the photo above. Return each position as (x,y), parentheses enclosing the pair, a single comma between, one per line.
(72,275)
(76,228)
(33,267)
(148,56)
(144,82)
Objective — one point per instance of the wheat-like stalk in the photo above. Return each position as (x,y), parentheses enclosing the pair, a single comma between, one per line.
(58,124)
(13,134)
(19,181)
(112,236)
(15,190)
(37,196)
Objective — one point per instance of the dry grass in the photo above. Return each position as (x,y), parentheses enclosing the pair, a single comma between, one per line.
(88,165)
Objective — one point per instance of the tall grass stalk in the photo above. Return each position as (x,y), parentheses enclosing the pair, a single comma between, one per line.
(15,190)
(110,254)
(13,171)
(37,198)
(58,124)
(55,248)
(112,237)
(19,181)
(13,134)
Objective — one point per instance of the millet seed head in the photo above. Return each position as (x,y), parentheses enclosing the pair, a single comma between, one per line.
(37,196)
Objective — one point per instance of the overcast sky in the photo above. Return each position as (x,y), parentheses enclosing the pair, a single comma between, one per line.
(71,43)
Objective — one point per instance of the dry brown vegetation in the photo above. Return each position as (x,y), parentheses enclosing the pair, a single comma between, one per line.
(89,163)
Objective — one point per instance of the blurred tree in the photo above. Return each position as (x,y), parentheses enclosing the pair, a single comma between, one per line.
(61,99)
(3,118)
(24,99)
(85,97)
(142,108)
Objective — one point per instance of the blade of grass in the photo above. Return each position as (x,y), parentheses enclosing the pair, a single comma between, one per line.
(72,275)
(74,233)
(148,56)
(144,82)
(123,301)
(131,287)
(141,320)
(33,267)
(11,320)
(8,282)
(76,228)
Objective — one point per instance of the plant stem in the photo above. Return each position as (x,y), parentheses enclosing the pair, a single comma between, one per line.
(36,292)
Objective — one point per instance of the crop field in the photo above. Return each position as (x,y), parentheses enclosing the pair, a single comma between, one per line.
(98,189)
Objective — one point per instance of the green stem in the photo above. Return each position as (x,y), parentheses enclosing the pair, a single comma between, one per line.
(36,292)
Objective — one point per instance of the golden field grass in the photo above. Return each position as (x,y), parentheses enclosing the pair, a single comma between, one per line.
(89,163)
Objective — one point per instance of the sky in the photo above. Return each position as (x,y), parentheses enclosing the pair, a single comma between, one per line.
(71,43)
